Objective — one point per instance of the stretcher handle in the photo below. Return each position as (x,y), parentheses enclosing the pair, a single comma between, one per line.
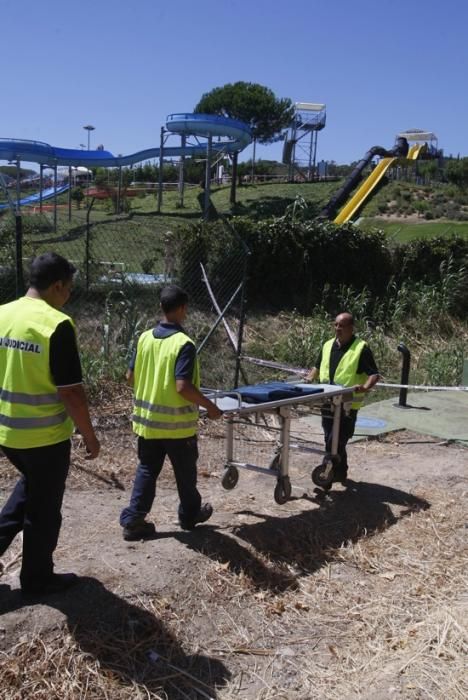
(214,394)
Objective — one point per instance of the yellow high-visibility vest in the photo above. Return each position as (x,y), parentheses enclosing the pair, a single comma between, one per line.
(159,411)
(31,413)
(346,372)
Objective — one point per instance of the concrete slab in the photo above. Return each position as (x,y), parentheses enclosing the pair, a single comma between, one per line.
(442,414)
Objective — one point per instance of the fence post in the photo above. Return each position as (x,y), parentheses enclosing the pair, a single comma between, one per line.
(240,335)
(405,369)
(161,165)
(19,255)
(87,243)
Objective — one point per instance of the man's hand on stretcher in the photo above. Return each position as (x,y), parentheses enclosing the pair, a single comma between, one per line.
(311,375)
(190,393)
(214,412)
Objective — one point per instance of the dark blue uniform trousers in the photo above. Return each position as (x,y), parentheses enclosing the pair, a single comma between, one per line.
(183,454)
(35,507)
(347,425)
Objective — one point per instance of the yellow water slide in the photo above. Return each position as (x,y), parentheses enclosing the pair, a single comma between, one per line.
(363,192)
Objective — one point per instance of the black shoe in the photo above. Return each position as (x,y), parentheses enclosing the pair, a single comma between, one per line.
(140,530)
(204,514)
(340,476)
(57,583)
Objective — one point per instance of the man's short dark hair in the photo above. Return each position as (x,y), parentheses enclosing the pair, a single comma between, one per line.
(49,268)
(172,297)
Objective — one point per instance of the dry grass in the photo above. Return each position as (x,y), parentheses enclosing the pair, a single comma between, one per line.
(378,617)
(361,597)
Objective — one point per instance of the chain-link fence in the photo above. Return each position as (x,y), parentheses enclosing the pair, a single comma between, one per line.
(122,263)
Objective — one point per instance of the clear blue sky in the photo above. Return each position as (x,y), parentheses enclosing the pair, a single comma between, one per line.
(380,67)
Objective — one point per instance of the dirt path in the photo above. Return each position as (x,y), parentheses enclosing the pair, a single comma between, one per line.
(358,595)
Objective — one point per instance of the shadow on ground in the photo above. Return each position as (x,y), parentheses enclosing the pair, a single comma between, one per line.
(302,543)
(130,642)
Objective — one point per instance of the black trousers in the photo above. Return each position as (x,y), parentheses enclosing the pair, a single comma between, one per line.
(347,425)
(34,507)
(183,454)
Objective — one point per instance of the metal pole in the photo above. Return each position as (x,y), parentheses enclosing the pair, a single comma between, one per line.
(240,333)
(252,175)
(119,189)
(160,178)
(19,254)
(206,211)
(41,186)
(293,152)
(309,167)
(55,198)
(315,151)
(18,187)
(87,243)
(405,370)
(218,320)
(18,235)
(69,192)
(183,140)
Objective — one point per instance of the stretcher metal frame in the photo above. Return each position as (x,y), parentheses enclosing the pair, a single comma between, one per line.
(234,407)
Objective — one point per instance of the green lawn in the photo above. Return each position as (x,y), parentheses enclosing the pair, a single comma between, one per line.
(264,199)
(133,238)
(402,231)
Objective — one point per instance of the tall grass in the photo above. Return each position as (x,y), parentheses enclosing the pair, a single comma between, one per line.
(419,315)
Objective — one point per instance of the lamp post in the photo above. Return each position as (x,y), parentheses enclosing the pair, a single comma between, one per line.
(89,128)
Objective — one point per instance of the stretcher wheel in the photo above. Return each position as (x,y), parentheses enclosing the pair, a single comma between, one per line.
(323,474)
(230,478)
(282,490)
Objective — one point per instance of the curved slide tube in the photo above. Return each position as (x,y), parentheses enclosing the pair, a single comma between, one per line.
(369,185)
(33,198)
(236,135)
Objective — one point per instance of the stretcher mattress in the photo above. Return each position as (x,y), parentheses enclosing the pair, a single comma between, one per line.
(274,391)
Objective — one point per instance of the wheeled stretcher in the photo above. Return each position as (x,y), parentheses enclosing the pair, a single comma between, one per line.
(285,400)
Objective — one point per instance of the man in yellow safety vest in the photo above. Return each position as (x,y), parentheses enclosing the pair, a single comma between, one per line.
(166,378)
(345,360)
(41,397)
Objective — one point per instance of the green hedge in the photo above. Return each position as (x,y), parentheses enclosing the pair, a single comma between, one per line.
(420,260)
(298,264)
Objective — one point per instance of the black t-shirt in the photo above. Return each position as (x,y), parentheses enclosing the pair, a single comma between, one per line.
(185,362)
(64,359)
(366,363)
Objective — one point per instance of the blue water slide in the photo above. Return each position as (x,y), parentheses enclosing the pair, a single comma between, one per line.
(33,198)
(234,136)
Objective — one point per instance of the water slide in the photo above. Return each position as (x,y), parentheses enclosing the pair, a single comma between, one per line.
(33,198)
(233,136)
(341,196)
(367,187)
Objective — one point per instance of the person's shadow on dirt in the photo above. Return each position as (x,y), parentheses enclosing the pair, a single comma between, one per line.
(130,642)
(300,544)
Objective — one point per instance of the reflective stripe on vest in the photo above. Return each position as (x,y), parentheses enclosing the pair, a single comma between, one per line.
(167,410)
(29,399)
(161,425)
(31,412)
(159,410)
(28,423)
(346,372)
